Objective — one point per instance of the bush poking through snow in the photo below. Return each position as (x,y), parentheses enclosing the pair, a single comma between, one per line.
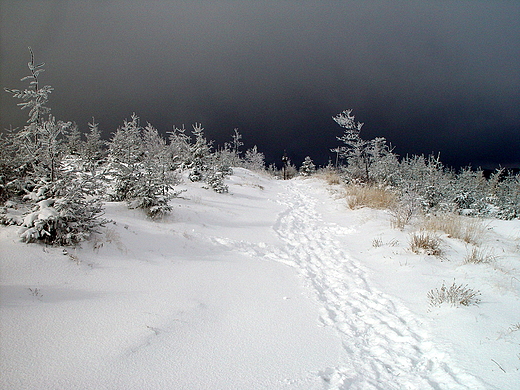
(425,243)
(401,216)
(456,295)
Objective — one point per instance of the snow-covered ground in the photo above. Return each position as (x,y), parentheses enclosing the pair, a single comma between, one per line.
(276,285)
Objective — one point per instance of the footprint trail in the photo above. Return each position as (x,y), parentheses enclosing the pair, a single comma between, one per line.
(385,345)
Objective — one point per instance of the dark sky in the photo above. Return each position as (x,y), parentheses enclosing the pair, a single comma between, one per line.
(429,76)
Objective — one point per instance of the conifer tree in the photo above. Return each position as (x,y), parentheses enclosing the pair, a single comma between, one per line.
(308,168)
(61,212)
(92,151)
(359,154)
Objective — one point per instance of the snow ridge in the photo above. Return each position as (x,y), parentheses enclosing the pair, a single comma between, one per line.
(385,345)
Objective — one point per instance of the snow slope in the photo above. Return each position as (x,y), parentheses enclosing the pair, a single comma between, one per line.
(276,285)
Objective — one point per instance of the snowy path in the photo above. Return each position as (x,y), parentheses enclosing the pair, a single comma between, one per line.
(385,345)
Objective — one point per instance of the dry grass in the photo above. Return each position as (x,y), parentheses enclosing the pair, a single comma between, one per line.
(456,295)
(479,256)
(330,176)
(426,243)
(469,230)
(401,216)
(378,242)
(369,196)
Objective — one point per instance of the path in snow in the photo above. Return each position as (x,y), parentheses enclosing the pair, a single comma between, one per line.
(386,347)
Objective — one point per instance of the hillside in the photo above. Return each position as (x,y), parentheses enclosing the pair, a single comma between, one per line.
(274,285)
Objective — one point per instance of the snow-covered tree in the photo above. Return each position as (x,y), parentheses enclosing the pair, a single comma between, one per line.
(230,154)
(308,168)
(179,147)
(64,209)
(155,180)
(200,154)
(504,194)
(73,143)
(125,153)
(361,155)
(426,180)
(469,193)
(254,160)
(33,98)
(92,152)
(142,165)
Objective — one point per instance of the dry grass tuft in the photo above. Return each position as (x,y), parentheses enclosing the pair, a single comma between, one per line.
(425,243)
(469,230)
(330,176)
(479,256)
(456,295)
(369,196)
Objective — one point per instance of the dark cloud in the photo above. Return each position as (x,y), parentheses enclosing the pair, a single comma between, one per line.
(429,76)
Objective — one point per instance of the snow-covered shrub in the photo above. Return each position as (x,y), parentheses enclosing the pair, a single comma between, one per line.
(505,196)
(254,160)
(426,180)
(141,163)
(425,243)
(330,175)
(456,295)
(66,215)
(469,192)
(12,213)
(155,206)
(308,168)
(215,179)
(367,161)
(401,215)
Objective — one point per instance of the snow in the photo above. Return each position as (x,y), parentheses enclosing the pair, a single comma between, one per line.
(275,285)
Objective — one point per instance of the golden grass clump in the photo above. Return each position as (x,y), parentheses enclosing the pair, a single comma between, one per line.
(369,196)
(330,176)
(469,230)
(425,243)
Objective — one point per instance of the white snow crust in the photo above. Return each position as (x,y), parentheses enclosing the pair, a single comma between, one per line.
(275,285)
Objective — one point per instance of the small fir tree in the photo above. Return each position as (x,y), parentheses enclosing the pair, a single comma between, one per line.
(308,168)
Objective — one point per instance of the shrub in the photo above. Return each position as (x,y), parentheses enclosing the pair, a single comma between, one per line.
(215,180)
(401,215)
(456,295)
(425,243)
(63,221)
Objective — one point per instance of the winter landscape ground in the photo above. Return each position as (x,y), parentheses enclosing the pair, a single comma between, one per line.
(274,285)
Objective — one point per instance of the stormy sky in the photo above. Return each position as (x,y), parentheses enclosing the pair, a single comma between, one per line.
(429,76)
